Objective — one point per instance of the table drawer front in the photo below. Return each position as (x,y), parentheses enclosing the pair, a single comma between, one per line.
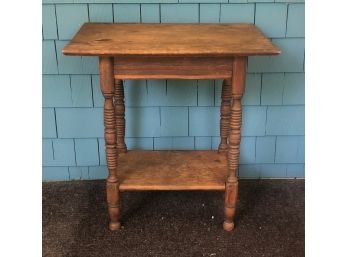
(173,67)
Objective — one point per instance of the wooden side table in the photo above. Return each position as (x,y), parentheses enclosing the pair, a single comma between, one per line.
(171,51)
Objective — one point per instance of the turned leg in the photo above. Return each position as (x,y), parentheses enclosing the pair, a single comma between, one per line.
(231,190)
(225,112)
(120,121)
(112,184)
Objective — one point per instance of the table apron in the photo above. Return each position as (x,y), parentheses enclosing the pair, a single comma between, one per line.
(173,67)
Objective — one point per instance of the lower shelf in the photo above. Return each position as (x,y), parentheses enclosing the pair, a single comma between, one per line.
(172,170)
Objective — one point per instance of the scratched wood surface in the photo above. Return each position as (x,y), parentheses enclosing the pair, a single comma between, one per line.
(172,170)
(107,39)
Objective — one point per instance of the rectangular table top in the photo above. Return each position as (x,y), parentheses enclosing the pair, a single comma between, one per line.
(108,39)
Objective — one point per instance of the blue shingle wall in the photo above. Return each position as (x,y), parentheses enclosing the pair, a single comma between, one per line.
(173,114)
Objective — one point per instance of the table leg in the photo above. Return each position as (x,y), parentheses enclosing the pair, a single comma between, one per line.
(120,121)
(231,191)
(112,184)
(225,113)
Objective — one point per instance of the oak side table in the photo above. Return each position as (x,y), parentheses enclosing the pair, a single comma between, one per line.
(171,51)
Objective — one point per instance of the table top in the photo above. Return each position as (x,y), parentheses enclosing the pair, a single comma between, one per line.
(108,39)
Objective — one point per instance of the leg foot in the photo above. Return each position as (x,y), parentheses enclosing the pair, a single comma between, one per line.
(230,204)
(228,226)
(114,225)
(113,200)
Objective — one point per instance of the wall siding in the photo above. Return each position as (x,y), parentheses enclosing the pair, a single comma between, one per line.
(174,114)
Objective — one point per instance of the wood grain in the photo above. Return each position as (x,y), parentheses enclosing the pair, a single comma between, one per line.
(231,191)
(171,51)
(169,39)
(172,170)
(173,67)
(112,184)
